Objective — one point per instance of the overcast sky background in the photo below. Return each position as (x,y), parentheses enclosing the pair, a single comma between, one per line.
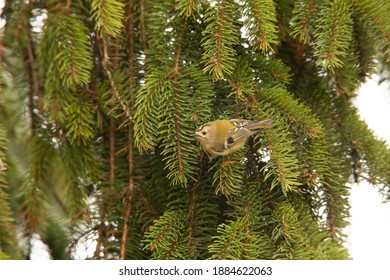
(370,218)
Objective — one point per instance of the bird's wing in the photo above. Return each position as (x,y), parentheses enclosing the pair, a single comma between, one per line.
(250,125)
(237,135)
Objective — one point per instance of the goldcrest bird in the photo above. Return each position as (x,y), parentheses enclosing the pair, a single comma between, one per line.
(223,137)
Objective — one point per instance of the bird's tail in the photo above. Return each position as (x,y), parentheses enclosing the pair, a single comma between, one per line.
(253,125)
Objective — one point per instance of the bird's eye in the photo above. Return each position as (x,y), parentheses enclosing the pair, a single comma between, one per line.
(204,132)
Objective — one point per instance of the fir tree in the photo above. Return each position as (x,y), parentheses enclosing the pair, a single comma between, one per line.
(98,101)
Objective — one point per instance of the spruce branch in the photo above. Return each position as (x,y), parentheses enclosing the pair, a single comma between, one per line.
(181,169)
(108,15)
(142,23)
(8,241)
(303,20)
(146,104)
(260,24)
(164,237)
(378,11)
(282,167)
(114,87)
(270,70)
(175,162)
(252,69)
(330,182)
(228,174)
(178,149)
(78,167)
(220,36)
(74,55)
(241,80)
(296,112)
(373,152)
(363,29)
(231,241)
(80,117)
(288,234)
(34,193)
(333,34)
(189,7)
(240,238)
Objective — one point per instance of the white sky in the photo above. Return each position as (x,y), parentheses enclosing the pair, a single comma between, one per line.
(370,218)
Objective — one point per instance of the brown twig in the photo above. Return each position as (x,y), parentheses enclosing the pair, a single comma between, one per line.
(128,201)
(114,88)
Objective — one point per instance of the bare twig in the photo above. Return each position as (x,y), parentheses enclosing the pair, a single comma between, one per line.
(33,85)
(128,201)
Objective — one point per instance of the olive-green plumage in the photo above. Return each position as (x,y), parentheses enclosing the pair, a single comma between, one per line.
(223,137)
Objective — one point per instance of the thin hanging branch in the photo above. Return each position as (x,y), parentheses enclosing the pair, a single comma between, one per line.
(128,202)
(114,88)
(33,85)
(142,22)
